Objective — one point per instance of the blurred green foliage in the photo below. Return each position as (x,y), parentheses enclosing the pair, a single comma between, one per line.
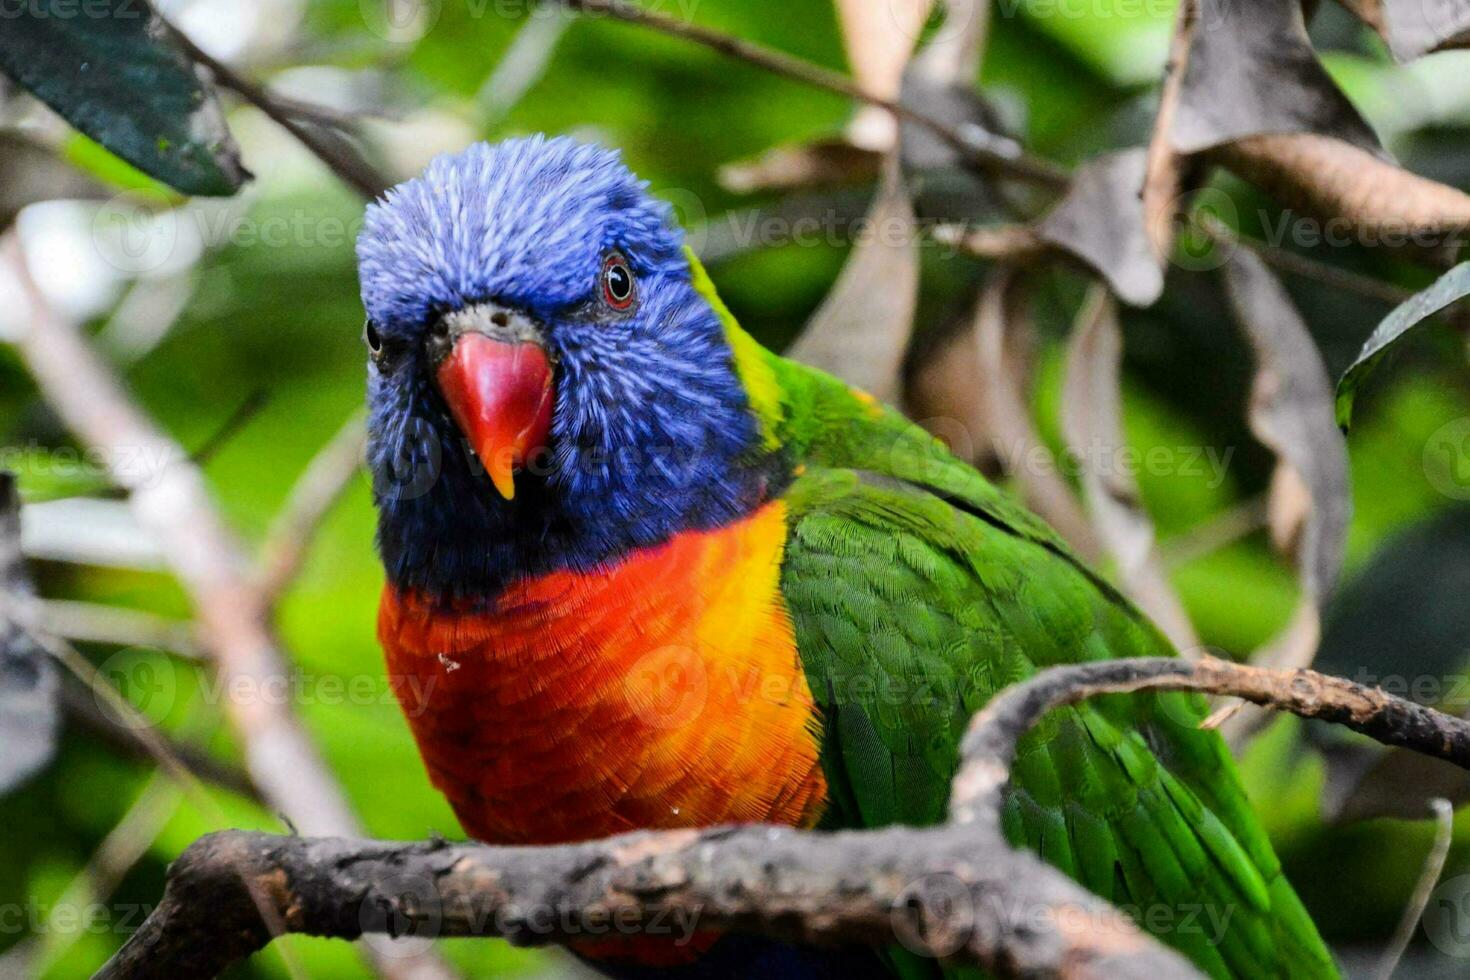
(285,319)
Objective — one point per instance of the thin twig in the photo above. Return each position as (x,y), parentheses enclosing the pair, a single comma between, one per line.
(1303,265)
(172,503)
(83,708)
(95,622)
(981,149)
(318,488)
(1214,533)
(148,735)
(123,847)
(1439,851)
(337,154)
(233,424)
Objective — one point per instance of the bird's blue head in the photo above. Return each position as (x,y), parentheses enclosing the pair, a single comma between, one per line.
(547,388)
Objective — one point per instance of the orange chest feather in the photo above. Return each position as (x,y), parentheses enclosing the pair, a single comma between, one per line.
(663,692)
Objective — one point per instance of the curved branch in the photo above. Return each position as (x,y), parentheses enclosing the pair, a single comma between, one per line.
(990,743)
(953,891)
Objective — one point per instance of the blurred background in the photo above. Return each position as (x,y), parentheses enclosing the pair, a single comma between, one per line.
(235,322)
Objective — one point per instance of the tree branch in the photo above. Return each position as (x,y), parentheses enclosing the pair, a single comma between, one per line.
(311,499)
(172,503)
(980,149)
(952,891)
(829,889)
(990,743)
(335,152)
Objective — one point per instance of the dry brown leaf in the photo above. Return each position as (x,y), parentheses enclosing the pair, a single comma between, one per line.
(943,392)
(1008,420)
(1100,221)
(1163,164)
(1255,97)
(1374,201)
(861,330)
(940,82)
(1291,412)
(879,39)
(1252,70)
(823,163)
(952,55)
(1413,27)
(1092,420)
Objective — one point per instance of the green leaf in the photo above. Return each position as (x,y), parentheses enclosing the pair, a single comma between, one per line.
(108,67)
(1448,288)
(111,170)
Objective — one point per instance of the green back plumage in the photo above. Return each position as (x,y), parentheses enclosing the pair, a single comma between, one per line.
(918,589)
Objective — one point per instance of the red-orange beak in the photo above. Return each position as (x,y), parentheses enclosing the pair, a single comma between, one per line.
(498,386)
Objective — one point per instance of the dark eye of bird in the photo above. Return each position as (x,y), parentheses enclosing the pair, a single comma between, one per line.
(372,339)
(617,283)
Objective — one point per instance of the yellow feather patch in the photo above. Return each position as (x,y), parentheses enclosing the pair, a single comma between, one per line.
(755,371)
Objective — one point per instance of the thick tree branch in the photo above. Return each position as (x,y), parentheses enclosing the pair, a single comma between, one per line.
(957,890)
(844,888)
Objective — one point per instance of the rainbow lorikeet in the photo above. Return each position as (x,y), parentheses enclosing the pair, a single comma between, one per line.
(643,573)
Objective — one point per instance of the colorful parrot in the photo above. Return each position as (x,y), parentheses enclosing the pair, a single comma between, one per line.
(643,573)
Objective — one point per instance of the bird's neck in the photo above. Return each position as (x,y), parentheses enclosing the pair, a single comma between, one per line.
(459,540)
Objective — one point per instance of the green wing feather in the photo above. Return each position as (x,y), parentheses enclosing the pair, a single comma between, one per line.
(918,590)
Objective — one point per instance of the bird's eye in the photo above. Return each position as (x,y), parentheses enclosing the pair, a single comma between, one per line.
(617,283)
(371,337)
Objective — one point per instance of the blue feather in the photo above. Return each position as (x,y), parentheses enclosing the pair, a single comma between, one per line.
(652,432)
